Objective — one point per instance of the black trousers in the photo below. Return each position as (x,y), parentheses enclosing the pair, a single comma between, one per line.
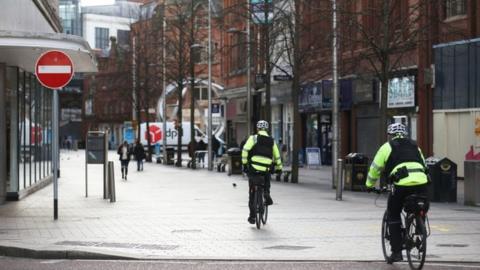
(251,191)
(395,206)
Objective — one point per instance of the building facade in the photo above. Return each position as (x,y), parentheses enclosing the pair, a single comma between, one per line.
(28,29)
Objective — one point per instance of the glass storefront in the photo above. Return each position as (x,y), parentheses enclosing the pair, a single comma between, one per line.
(29,113)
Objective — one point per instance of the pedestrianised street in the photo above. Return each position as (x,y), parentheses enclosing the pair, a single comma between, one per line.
(165,212)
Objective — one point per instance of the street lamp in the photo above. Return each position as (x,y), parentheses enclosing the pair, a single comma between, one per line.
(164,93)
(249,89)
(210,165)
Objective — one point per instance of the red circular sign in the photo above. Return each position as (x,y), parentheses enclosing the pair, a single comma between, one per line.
(155,134)
(54,69)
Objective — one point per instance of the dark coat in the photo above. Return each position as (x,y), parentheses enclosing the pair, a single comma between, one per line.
(139,152)
(119,152)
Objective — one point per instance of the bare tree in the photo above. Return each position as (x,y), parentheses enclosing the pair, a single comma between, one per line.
(181,34)
(382,38)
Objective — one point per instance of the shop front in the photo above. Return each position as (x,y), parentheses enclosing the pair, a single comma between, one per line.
(401,108)
(315,106)
(26,109)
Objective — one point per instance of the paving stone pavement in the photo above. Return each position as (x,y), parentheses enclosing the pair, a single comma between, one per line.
(166,212)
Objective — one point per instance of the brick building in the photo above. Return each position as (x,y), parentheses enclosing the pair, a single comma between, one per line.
(410,78)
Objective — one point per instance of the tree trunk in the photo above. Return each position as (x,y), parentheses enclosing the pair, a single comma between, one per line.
(192,76)
(179,123)
(295,90)
(296,127)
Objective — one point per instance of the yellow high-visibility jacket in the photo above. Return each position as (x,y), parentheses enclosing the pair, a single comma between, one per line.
(418,177)
(258,162)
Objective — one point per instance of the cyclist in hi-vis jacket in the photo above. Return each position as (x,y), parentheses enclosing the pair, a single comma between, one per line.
(259,153)
(401,162)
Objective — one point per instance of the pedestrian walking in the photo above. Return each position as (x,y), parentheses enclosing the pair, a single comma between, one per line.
(139,153)
(124,152)
(201,146)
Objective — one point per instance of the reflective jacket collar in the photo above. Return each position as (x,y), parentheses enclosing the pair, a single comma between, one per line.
(263,133)
(398,137)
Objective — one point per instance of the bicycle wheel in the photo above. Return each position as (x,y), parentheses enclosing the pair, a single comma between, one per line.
(258,207)
(265,212)
(416,242)
(386,237)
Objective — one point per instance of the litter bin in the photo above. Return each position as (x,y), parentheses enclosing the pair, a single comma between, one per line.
(170,155)
(443,176)
(234,161)
(472,182)
(356,171)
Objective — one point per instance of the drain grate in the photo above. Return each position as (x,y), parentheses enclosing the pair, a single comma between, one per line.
(431,256)
(289,247)
(465,210)
(186,231)
(452,245)
(117,245)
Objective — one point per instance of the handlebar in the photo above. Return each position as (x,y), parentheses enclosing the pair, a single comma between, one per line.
(379,190)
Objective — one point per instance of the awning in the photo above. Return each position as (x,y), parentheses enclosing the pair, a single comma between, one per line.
(22,49)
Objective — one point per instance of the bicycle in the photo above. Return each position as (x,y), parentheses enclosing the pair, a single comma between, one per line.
(259,200)
(415,228)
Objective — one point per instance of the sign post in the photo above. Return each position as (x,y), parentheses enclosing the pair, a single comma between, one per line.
(54,70)
(96,152)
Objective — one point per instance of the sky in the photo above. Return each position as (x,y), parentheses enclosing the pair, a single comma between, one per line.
(96,2)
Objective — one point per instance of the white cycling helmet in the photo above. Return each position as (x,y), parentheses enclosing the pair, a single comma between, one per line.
(262,124)
(397,129)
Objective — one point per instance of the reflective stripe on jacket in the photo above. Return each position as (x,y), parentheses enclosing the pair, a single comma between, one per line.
(258,162)
(380,160)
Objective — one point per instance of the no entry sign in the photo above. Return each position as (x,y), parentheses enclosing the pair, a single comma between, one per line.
(54,69)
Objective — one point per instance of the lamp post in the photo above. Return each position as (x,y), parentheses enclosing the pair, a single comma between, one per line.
(210,165)
(164,94)
(335,114)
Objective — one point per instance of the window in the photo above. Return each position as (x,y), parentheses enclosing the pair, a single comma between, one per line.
(239,52)
(455,8)
(201,93)
(101,38)
(123,37)
(200,53)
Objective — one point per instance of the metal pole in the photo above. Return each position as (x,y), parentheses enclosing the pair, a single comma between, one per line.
(249,89)
(134,79)
(164,95)
(86,167)
(106,189)
(55,142)
(340,180)
(210,165)
(335,140)
(111,180)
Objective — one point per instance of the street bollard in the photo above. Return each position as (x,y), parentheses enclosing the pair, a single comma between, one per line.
(106,188)
(339,180)
(111,182)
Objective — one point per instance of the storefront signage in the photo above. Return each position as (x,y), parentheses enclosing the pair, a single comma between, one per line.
(281,78)
(401,92)
(313,156)
(318,96)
